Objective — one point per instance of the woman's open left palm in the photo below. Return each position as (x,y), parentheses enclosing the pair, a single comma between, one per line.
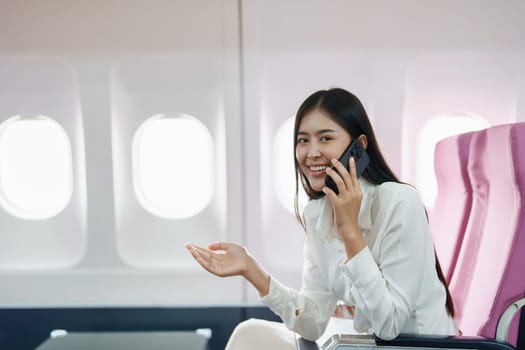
(221,259)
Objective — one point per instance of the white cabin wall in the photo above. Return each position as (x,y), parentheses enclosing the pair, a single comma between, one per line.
(95,37)
(520,108)
(271,55)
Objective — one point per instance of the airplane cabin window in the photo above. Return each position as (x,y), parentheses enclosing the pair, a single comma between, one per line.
(436,129)
(283,164)
(284,173)
(36,169)
(173,166)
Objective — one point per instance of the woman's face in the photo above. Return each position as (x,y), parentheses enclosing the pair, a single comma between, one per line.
(319,140)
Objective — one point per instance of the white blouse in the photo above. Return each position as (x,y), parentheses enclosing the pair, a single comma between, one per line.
(392,282)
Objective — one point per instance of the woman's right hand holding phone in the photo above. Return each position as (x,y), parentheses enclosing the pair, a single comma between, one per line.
(346,205)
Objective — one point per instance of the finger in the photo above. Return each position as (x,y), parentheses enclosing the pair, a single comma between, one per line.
(194,246)
(201,255)
(219,246)
(205,261)
(336,177)
(197,256)
(356,185)
(205,252)
(207,265)
(353,170)
(343,172)
(190,247)
(332,196)
(193,250)
(340,167)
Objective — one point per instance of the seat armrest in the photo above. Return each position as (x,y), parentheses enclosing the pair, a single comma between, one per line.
(448,342)
(347,342)
(337,340)
(506,318)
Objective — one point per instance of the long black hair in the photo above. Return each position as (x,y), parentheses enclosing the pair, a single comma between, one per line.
(348,112)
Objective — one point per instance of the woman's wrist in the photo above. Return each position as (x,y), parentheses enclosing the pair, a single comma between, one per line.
(353,241)
(257,276)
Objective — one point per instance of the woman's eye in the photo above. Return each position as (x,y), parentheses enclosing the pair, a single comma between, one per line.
(325,138)
(302,140)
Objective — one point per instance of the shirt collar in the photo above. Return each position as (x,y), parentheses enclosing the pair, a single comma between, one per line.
(318,213)
(368,190)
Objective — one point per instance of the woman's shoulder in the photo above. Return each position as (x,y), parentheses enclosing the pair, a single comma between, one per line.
(394,194)
(399,201)
(396,189)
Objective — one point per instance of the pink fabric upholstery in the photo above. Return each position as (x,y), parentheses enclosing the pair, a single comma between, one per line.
(449,218)
(489,271)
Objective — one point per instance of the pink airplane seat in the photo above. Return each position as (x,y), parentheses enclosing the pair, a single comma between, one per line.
(449,218)
(489,275)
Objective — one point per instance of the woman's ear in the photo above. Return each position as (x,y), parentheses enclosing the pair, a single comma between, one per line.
(364,141)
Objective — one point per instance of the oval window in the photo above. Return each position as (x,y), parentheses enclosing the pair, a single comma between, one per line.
(284,172)
(36,167)
(173,166)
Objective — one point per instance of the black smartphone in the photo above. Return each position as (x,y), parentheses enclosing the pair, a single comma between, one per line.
(361,159)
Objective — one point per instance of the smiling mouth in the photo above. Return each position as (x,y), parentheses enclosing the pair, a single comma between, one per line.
(317,170)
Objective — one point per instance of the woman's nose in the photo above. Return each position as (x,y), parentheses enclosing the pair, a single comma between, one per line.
(314,151)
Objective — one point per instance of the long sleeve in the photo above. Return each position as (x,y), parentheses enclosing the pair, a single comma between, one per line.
(307,311)
(388,278)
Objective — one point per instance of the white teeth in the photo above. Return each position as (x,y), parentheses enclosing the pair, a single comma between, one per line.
(318,168)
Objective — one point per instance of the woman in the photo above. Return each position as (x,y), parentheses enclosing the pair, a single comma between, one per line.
(369,246)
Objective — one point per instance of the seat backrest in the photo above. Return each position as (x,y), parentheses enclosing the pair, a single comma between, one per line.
(489,271)
(449,217)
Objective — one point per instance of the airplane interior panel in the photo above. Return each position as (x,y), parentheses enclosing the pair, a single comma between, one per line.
(131,129)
